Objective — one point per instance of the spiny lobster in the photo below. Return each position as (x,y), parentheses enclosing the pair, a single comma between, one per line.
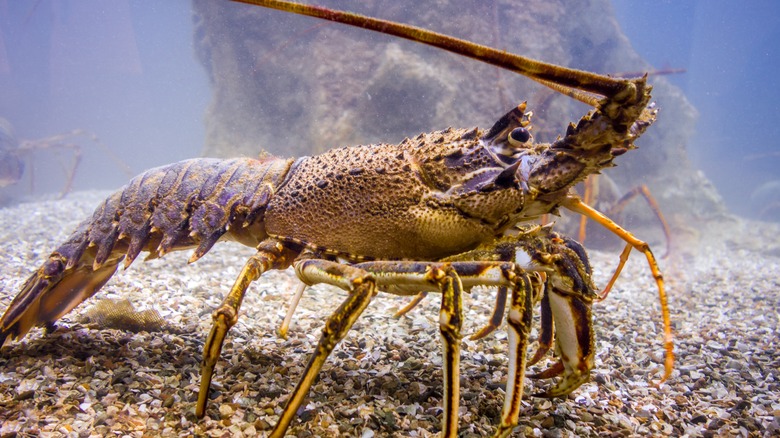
(440,212)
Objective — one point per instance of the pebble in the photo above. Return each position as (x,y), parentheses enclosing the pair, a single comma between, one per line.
(726,331)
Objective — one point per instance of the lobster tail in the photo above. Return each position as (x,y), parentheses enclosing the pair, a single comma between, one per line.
(193,203)
(66,279)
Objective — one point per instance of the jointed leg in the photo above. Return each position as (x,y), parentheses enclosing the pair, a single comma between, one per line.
(554,371)
(450,279)
(574,343)
(568,294)
(546,334)
(271,255)
(361,287)
(589,195)
(645,192)
(412,304)
(291,306)
(519,326)
(492,325)
(364,279)
(576,205)
(450,320)
(496,318)
(621,263)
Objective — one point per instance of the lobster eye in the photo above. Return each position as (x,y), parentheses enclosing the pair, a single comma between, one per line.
(518,136)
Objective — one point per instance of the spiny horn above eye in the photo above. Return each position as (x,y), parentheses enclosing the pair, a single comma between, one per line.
(510,134)
(509,121)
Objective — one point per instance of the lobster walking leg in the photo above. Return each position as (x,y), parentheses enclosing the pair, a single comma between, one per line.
(362,281)
(572,324)
(412,304)
(361,287)
(519,326)
(271,255)
(450,320)
(546,334)
(590,196)
(554,371)
(575,204)
(495,318)
(291,306)
(644,191)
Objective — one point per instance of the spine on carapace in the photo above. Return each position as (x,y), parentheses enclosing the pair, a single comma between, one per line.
(188,204)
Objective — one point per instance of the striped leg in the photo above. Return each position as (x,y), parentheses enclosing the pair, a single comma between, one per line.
(450,319)
(519,326)
(546,333)
(575,204)
(271,254)
(361,287)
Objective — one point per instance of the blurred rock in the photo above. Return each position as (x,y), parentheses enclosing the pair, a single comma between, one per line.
(291,86)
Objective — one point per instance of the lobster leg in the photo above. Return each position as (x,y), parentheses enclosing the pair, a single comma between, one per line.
(575,204)
(271,255)
(590,196)
(495,319)
(490,327)
(563,273)
(574,343)
(645,192)
(546,335)
(554,371)
(519,326)
(519,322)
(537,291)
(450,319)
(291,306)
(412,304)
(401,278)
(361,287)
(566,311)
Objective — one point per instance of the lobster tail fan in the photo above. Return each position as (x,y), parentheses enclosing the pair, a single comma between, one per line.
(50,293)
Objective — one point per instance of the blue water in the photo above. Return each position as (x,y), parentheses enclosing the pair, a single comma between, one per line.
(731,51)
(126,70)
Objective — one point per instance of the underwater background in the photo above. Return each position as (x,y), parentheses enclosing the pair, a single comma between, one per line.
(730,51)
(134,84)
(127,72)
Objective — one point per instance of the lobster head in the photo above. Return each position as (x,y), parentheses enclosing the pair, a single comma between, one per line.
(547,171)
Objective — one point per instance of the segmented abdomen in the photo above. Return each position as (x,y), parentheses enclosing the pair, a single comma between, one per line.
(192,203)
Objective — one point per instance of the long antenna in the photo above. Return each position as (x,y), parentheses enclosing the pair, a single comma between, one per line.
(539,71)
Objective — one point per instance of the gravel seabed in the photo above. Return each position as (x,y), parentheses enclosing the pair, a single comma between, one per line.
(384,379)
